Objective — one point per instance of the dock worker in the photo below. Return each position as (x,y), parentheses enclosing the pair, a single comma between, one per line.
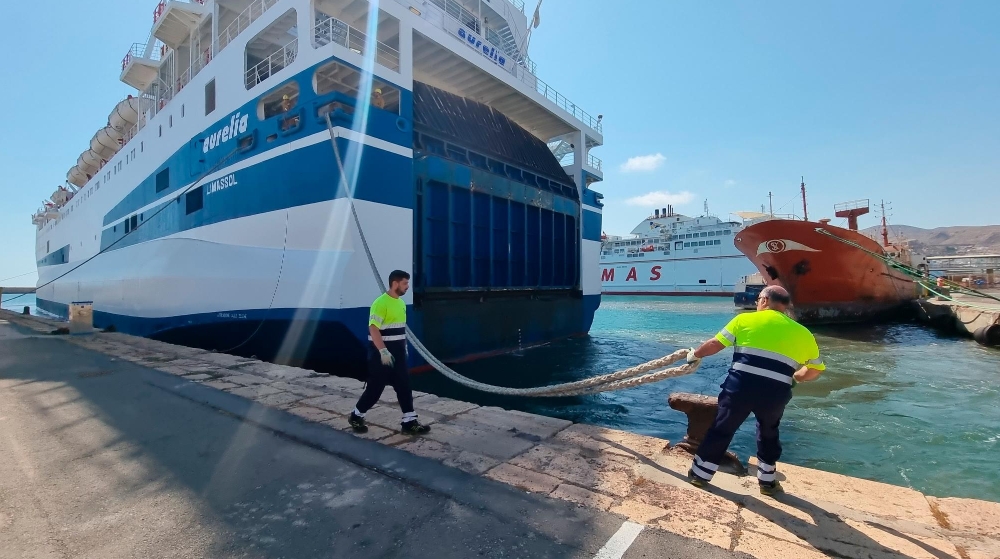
(286,104)
(771,353)
(387,357)
(377,99)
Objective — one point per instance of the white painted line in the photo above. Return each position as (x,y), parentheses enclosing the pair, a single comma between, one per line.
(620,542)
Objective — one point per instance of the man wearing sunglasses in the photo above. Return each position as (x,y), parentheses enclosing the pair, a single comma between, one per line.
(771,352)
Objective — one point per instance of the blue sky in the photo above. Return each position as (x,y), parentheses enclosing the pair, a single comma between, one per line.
(889,99)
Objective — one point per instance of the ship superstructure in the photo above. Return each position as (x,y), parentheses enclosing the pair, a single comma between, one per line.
(673,254)
(213,208)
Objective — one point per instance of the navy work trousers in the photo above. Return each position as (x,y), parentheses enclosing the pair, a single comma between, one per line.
(380,376)
(734,409)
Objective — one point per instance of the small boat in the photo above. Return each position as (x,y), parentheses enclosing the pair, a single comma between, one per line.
(747,290)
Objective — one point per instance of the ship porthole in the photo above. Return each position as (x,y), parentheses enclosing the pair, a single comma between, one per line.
(402,124)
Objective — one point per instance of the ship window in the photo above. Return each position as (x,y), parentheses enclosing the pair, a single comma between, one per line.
(170,121)
(679,245)
(163,180)
(729,232)
(210,97)
(711,233)
(161,130)
(128,229)
(701,243)
(718,242)
(703,234)
(702,281)
(182,111)
(194,200)
(135,222)
(142,147)
(274,103)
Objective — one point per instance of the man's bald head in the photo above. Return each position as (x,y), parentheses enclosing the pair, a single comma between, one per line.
(777,297)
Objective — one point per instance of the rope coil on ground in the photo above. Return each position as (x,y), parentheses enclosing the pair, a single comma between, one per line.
(644,373)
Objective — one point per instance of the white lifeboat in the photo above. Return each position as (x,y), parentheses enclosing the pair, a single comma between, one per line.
(85,165)
(38,218)
(77,177)
(125,115)
(92,159)
(59,197)
(105,142)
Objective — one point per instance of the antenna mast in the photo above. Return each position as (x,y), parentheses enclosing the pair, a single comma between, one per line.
(770,203)
(805,210)
(885,227)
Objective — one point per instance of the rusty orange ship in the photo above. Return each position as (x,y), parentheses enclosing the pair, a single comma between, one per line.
(833,274)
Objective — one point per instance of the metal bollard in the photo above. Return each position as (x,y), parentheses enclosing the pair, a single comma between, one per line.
(700,411)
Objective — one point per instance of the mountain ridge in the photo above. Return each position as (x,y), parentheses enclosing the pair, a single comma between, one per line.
(944,241)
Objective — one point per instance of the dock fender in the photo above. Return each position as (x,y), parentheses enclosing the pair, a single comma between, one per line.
(988,336)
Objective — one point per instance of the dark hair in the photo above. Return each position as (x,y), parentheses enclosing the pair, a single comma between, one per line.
(777,295)
(398,275)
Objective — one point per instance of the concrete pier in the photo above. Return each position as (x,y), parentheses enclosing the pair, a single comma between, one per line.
(964,315)
(108,433)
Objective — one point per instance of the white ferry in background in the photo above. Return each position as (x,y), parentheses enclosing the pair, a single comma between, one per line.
(673,254)
(211,207)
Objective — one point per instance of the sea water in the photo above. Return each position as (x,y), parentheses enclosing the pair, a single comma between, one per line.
(17,302)
(899,403)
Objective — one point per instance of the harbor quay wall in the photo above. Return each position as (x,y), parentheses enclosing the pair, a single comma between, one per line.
(966,315)
(639,477)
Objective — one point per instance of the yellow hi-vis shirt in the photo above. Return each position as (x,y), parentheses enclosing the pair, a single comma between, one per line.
(768,345)
(388,314)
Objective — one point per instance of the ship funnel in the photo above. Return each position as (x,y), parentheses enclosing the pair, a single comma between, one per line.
(664,212)
(656,213)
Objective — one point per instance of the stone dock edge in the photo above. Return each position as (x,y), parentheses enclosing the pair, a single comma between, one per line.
(639,477)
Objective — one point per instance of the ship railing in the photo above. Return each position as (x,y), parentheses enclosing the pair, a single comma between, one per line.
(138,50)
(852,205)
(251,14)
(278,60)
(332,30)
(594,162)
(525,69)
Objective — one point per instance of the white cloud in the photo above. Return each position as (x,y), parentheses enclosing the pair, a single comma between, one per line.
(661,198)
(643,163)
(729,183)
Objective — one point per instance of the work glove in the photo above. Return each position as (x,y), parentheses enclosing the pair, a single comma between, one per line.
(691,358)
(387,359)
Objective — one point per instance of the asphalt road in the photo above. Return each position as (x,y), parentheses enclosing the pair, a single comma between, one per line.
(103,458)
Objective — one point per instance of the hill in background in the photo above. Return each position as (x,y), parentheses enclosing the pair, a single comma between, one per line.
(945,241)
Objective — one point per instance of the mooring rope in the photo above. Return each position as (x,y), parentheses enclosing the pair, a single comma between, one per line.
(644,373)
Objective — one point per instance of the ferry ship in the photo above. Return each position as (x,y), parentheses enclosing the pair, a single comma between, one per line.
(672,254)
(264,119)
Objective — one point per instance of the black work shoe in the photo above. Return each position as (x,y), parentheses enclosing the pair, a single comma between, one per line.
(771,489)
(357,423)
(414,428)
(696,481)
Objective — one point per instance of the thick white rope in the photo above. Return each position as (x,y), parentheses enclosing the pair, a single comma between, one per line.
(619,380)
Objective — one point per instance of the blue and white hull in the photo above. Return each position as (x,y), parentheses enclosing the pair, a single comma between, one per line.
(234,232)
